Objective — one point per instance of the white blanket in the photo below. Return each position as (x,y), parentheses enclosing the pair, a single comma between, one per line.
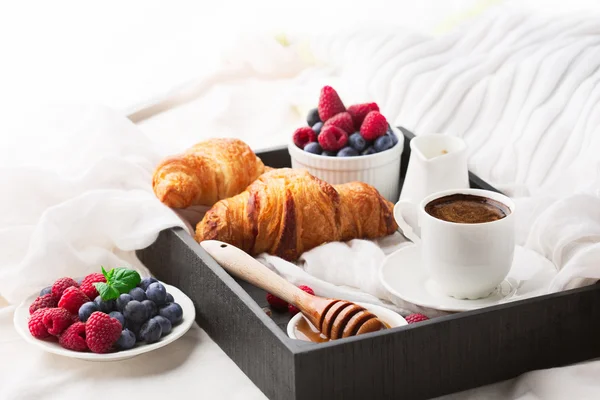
(521,91)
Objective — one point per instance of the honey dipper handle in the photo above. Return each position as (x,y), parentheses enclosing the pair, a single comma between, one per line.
(244,266)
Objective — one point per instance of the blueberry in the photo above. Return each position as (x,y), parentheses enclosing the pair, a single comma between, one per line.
(87,309)
(329,153)
(157,293)
(122,301)
(146,282)
(347,152)
(313,147)
(151,331)
(165,324)
(392,135)
(170,298)
(173,312)
(368,150)
(357,142)
(151,307)
(313,117)
(138,294)
(317,127)
(46,290)
(117,315)
(105,306)
(135,312)
(134,328)
(383,143)
(126,340)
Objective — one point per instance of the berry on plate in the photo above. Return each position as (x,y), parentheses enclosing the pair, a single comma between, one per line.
(73,338)
(151,331)
(45,301)
(392,135)
(86,310)
(314,148)
(293,309)
(165,324)
(150,307)
(360,111)
(127,340)
(317,127)
(87,284)
(383,143)
(102,332)
(56,320)
(118,316)
(369,150)
(303,136)
(173,312)
(138,294)
(170,298)
(357,142)
(46,290)
(276,303)
(330,103)
(122,301)
(374,126)
(347,152)
(313,117)
(135,312)
(72,299)
(36,325)
(144,283)
(105,306)
(342,120)
(157,293)
(61,284)
(332,138)
(414,318)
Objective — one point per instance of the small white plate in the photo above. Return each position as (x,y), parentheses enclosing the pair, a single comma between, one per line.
(403,275)
(388,316)
(21,320)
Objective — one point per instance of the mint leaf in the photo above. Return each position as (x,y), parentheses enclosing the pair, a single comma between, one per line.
(107,292)
(107,275)
(124,279)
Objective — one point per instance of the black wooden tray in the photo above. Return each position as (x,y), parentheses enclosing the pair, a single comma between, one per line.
(420,361)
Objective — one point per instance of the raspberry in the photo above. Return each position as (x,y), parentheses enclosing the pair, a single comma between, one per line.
(60,285)
(276,303)
(45,301)
(332,138)
(56,320)
(293,309)
(414,318)
(36,325)
(330,103)
(74,337)
(87,284)
(360,111)
(374,126)
(101,332)
(343,121)
(72,299)
(303,136)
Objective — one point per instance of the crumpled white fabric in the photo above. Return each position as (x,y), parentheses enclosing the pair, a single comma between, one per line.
(79,201)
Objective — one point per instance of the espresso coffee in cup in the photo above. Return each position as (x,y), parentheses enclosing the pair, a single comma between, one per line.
(466,237)
(466,209)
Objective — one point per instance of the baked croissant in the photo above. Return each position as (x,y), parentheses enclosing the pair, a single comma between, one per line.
(209,171)
(286,212)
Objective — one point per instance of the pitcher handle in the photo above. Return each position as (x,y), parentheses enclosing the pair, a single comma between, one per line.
(407,217)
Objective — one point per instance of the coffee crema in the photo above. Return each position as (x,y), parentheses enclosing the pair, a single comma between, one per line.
(467,209)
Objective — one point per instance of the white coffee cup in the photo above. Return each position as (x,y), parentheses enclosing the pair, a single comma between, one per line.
(465,260)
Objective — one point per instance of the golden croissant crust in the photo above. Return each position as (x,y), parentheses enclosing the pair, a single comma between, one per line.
(209,171)
(286,212)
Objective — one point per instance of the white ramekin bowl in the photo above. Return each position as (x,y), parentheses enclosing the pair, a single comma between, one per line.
(380,170)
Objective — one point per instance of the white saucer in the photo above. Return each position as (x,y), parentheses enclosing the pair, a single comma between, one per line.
(404,277)
(21,319)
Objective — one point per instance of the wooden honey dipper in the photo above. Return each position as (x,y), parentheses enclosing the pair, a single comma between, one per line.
(333,318)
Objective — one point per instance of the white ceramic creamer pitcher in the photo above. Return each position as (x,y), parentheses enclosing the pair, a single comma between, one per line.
(437,162)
